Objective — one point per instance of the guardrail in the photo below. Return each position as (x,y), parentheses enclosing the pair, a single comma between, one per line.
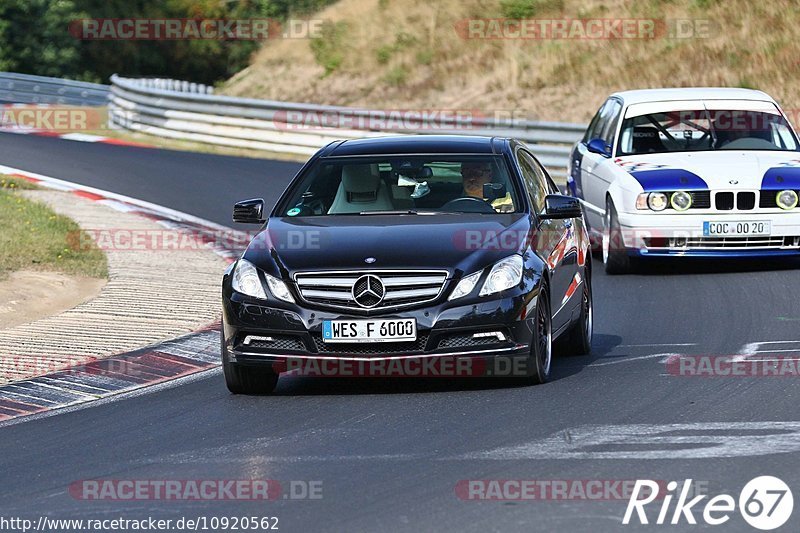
(27,89)
(180,110)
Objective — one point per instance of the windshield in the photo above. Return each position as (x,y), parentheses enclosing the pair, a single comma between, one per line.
(404,185)
(705,130)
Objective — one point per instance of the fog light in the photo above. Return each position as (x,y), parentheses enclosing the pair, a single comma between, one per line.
(251,338)
(681,201)
(786,200)
(499,335)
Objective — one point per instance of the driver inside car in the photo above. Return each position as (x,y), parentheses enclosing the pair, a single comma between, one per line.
(474,176)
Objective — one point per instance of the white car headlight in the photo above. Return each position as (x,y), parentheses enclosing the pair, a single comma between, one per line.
(681,201)
(246,281)
(505,274)
(465,286)
(657,201)
(279,289)
(786,200)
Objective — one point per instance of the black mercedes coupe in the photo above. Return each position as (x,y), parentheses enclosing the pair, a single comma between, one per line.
(409,251)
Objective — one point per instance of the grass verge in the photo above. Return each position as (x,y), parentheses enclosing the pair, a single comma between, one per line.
(33,237)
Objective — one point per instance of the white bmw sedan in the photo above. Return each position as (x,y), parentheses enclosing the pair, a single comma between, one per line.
(705,172)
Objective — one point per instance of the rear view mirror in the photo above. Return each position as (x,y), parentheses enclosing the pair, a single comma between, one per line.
(249,211)
(493,191)
(558,206)
(599,146)
(412,170)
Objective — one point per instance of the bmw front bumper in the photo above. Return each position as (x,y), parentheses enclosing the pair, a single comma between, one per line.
(681,234)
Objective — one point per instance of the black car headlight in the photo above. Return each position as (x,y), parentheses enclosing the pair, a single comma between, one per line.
(505,274)
(466,285)
(246,281)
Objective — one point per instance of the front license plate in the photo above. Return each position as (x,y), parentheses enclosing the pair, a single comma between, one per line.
(737,229)
(394,330)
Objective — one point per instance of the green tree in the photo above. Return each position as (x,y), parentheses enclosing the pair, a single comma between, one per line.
(34,38)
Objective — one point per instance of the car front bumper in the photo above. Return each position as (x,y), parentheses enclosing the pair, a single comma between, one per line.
(681,234)
(443,331)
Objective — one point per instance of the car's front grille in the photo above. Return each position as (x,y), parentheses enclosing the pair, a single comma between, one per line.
(724,201)
(370,290)
(370,349)
(745,201)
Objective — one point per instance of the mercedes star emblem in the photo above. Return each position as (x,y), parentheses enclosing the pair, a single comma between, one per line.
(368,291)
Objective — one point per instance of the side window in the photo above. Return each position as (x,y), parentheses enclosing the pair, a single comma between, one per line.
(535,179)
(597,124)
(613,114)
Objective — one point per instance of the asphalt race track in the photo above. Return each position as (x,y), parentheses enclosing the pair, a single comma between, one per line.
(390,453)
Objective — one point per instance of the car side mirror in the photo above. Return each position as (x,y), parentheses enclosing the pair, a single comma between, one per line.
(493,191)
(558,206)
(599,146)
(249,211)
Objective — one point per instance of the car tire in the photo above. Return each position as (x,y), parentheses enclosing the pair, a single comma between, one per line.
(540,360)
(578,339)
(247,380)
(615,257)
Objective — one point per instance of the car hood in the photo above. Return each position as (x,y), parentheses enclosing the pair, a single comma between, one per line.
(463,243)
(723,169)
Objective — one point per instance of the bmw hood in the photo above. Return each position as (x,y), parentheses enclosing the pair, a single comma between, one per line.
(722,169)
(465,242)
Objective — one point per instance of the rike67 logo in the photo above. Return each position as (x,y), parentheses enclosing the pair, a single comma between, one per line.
(765,503)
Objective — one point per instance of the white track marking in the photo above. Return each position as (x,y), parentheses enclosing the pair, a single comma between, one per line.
(655,345)
(664,356)
(753,348)
(701,440)
(83,137)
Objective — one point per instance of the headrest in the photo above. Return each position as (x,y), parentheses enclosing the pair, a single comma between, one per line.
(360,179)
(645,132)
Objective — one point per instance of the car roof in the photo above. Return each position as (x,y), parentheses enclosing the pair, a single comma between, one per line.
(415,144)
(691,93)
